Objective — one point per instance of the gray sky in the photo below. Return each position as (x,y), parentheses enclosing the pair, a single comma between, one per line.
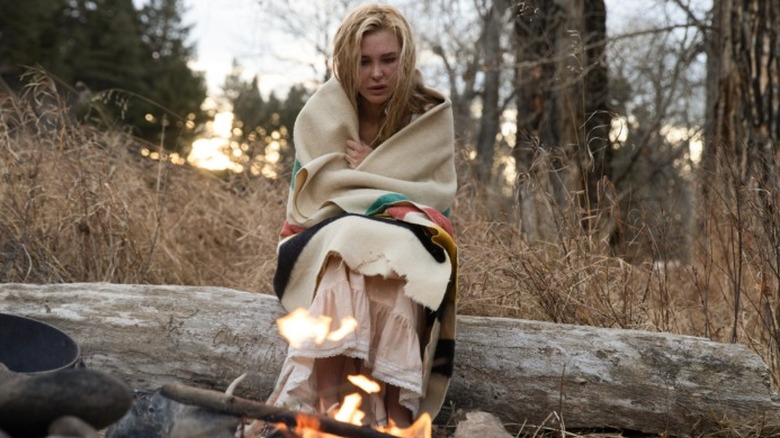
(227,29)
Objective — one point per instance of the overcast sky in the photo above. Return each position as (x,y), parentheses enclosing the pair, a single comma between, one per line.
(222,31)
(226,29)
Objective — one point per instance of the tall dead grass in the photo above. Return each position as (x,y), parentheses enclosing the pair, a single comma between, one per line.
(727,289)
(81,205)
(78,204)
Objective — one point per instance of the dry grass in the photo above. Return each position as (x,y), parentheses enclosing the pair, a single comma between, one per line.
(80,205)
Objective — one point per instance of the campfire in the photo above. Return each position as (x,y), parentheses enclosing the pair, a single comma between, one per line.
(298,327)
(74,396)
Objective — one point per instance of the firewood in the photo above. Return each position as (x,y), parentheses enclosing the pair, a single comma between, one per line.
(241,407)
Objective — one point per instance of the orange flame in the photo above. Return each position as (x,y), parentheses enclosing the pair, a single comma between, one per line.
(420,429)
(348,325)
(308,427)
(300,326)
(349,411)
(364,383)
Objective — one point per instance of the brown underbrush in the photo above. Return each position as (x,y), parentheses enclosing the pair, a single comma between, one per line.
(82,205)
(79,204)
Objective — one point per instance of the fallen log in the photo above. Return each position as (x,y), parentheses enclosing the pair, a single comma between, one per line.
(521,371)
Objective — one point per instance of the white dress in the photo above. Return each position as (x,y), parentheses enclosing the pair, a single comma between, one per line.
(386,343)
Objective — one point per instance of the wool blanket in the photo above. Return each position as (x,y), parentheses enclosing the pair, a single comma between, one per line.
(388,216)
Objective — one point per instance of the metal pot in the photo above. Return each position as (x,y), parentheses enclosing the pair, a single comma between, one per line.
(33,347)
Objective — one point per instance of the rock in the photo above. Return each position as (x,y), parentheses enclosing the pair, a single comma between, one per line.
(68,426)
(30,403)
(482,425)
(155,416)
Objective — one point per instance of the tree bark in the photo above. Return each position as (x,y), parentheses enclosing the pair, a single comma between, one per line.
(596,154)
(489,121)
(744,80)
(739,179)
(561,81)
(537,30)
(522,371)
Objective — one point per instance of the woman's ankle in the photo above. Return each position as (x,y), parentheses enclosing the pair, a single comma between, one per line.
(397,413)
(400,416)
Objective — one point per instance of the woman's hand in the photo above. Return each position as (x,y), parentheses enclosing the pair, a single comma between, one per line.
(356,152)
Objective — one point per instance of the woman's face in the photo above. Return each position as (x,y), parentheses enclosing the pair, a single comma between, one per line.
(379,61)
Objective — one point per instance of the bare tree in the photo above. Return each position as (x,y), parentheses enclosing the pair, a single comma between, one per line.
(537,28)
(741,150)
(451,32)
(657,72)
(473,39)
(309,24)
(493,19)
(746,80)
(596,153)
(561,79)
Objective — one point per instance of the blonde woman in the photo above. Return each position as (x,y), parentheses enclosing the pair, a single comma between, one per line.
(367,234)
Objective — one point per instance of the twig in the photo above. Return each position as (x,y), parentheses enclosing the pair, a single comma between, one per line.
(232,405)
(232,387)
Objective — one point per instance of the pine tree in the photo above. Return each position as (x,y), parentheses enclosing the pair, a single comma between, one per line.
(107,51)
(28,36)
(133,62)
(175,92)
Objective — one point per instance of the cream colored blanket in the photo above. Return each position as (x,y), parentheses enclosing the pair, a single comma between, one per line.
(416,162)
(388,217)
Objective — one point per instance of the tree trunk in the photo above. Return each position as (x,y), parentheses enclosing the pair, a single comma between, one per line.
(746,105)
(537,29)
(520,370)
(488,127)
(596,154)
(741,150)
(563,118)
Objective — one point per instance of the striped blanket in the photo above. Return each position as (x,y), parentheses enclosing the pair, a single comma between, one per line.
(389,215)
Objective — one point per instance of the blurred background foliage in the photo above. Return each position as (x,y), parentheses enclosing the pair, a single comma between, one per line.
(120,66)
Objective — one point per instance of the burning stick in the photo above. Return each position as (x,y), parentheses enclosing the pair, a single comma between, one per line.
(232,405)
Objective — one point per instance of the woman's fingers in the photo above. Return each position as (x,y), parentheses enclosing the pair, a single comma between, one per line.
(355,153)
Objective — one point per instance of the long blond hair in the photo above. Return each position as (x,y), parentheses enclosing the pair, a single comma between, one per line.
(410,96)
